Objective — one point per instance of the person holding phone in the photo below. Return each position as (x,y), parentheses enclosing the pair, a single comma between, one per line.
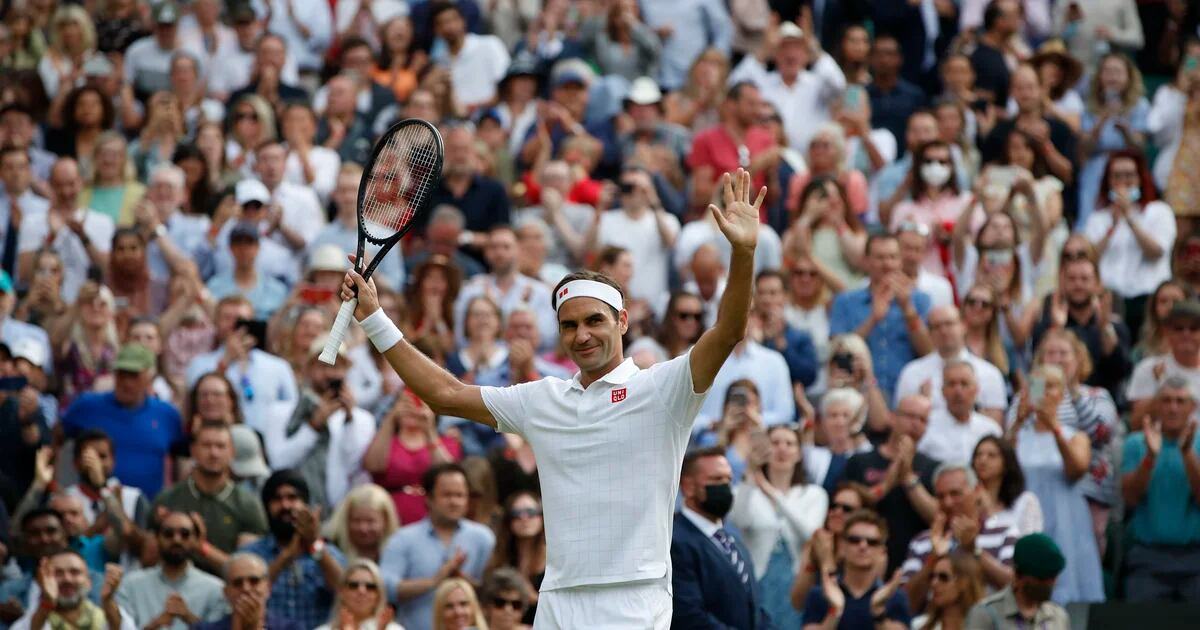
(1054,457)
(327,434)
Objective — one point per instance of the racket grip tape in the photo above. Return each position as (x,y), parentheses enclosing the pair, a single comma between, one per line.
(338,332)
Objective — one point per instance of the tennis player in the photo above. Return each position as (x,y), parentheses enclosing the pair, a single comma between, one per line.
(609,442)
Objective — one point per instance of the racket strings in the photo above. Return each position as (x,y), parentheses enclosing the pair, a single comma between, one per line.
(401,179)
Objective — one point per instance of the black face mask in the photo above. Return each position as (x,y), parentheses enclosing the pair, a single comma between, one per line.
(1037,591)
(718,498)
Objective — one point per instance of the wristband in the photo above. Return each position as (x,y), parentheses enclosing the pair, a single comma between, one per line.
(382,331)
(1148,463)
(833,613)
(317,549)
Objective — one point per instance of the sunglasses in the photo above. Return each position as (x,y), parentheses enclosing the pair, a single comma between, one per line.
(858,540)
(525,513)
(1077,254)
(355,585)
(1186,327)
(245,116)
(943,577)
(170,532)
(845,507)
(252,580)
(977,302)
(689,315)
(501,602)
(805,273)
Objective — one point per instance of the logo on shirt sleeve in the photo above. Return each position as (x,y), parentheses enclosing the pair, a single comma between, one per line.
(618,395)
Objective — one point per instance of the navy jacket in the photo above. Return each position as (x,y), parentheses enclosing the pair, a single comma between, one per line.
(707,591)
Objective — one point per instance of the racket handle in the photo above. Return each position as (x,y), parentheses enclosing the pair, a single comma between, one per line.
(338,332)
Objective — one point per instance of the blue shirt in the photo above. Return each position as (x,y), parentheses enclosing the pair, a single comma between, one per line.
(1167,514)
(141,437)
(267,295)
(299,593)
(857,614)
(889,342)
(415,551)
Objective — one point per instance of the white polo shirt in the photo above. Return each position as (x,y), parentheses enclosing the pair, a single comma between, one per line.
(992,392)
(948,440)
(609,459)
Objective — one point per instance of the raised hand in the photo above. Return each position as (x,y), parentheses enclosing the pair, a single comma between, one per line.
(937,535)
(965,529)
(45,580)
(883,594)
(1189,436)
(368,296)
(833,592)
(1152,433)
(43,467)
(112,579)
(739,220)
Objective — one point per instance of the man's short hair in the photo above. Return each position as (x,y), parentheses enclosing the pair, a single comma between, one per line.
(438,8)
(430,478)
(869,517)
(40,512)
(87,437)
(594,276)
(503,580)
(448,213)
(770,273)
(267,144)
(991,14)
(876,238)
(697,454)
(958,363)
(243,555)
(735,90)
(950,467)
(212,425)
(1175,381)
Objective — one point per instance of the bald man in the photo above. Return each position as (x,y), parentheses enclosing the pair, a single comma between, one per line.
(924,375)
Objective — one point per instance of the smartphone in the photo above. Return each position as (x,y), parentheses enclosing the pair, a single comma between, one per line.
(13,383)
(1191,63)
(257,329)
(1037,390)
(335,386)
(844,361)
(315,294)
(739,397)
(979,104)
(852,99)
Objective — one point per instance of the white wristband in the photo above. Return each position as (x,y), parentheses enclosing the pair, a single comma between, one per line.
(382,332)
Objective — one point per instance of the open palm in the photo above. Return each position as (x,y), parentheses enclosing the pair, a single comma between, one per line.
(739,220)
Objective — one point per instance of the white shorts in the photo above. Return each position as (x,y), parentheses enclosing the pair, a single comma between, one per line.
(638,606)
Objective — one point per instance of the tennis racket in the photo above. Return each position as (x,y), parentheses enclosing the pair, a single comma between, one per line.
(396,184)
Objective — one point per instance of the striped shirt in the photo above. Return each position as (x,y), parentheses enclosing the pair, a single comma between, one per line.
(996,538)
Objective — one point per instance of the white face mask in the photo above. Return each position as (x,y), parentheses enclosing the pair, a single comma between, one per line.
(935,174)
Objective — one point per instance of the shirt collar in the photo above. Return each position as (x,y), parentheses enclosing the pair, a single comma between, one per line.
(220,495)
(706,527)
(617,376)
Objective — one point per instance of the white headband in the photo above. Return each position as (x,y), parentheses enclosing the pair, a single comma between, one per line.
(589,288)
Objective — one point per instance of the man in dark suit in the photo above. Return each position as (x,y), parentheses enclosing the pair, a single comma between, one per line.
(713,580)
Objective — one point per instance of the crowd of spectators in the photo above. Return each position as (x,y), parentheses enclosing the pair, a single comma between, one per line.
(967,396)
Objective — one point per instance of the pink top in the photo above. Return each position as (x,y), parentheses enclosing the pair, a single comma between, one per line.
(944,210)
(857,191)
(403,477)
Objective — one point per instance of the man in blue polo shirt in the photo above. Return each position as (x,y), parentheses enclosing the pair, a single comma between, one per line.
(142,429)
(1161,466)
(889,313)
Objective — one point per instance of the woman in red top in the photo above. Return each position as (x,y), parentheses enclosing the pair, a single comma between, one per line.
(406,445)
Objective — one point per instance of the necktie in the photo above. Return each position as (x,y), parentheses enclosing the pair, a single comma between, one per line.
(739,564)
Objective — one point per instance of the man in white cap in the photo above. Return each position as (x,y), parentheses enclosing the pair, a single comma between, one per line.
(643,106)
(274,259)
(801,95)
(609,442)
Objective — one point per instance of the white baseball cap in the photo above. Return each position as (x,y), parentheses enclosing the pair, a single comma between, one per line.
(789,30)
(644,91)
(249,190)
(31,350)
(328,258)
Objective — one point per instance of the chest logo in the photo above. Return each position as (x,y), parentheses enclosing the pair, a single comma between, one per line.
(618,395)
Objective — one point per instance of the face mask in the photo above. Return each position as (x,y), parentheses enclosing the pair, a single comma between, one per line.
(1070,31)
(1135,195)
(935,174)
(1037,591)
(718,498)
